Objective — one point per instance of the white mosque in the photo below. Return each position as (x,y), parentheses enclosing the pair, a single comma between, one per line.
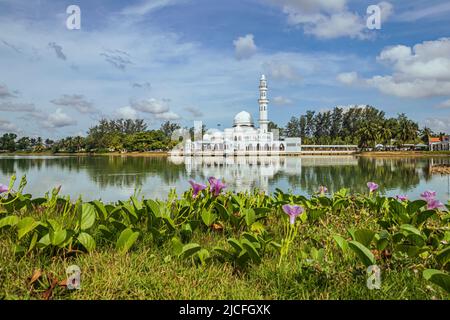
(244,138)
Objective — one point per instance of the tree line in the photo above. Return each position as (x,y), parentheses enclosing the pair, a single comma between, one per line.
(107,136)
(362,126)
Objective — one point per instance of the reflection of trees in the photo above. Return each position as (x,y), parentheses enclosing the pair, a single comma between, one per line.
(123,171)
(103,170)
(388,173)
(132,171)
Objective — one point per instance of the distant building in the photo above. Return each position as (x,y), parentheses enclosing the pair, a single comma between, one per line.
(244,137)
(439,143)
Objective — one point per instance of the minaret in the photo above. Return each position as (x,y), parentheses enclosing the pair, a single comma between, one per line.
(263,102)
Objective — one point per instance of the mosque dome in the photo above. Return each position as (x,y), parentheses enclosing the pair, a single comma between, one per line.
(243,119)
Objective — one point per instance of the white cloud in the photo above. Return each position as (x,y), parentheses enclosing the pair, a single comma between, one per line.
(427,11)
(441,124)
(59,119)
(245,47)
(282,70)
(147,6)
(342,24)
(7,126)
(281,101)
(5,93)
(167,116)
(444,105)
(76,101)
(151,106)
(418,72)
(16,107)
(195,112)
(127,113)
(387,9)
(347,78)
(328,19)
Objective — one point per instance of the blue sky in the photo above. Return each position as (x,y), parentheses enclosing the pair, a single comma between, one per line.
(186,60)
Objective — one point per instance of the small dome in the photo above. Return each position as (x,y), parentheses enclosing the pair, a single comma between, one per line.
(243,118)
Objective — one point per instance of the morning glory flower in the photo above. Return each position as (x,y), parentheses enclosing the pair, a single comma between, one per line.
(292,211)
(372,186)
(216,185)
(323,190)
(434,204)
(428,195)
(401,198)
(3,188)
(196,187)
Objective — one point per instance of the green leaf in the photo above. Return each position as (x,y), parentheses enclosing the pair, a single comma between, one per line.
(437,277)
(44,241)
(177,246)
(409,229)
(382,240)
(424,215)
(126,240)
(415,206)
(342,243)
(364,236)
(87,216)
(235,244)
(57,237)
(362,252)
(250,237)
(189,250)
(203,255)
(223,213)
(208,217)
(410,250)
(99,206)
(9,221)
(224,254)
(154,207)
(87,241)
(399,210)
(251,250)
(33,242)
(443,256)
(26,225)
(324,201)
(250,216)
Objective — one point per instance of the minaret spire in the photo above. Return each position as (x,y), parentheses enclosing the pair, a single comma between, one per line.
(263,103)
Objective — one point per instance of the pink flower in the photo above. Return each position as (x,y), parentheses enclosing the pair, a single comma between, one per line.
(434,204)
(323,190)
(216,185)
(372,186)
(428,195)
(401,198)
(3,188)
(196,187)
(292,211)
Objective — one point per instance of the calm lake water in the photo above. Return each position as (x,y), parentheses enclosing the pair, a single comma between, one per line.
(112,178)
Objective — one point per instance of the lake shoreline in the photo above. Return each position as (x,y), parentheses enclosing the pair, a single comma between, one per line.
(372,154)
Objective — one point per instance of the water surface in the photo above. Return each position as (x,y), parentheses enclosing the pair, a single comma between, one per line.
(112,178)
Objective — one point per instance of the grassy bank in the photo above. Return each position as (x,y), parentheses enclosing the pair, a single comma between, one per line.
(224,246)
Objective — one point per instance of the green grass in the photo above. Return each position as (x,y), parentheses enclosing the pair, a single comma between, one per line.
(151,265)
(150,271)
(144,274)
